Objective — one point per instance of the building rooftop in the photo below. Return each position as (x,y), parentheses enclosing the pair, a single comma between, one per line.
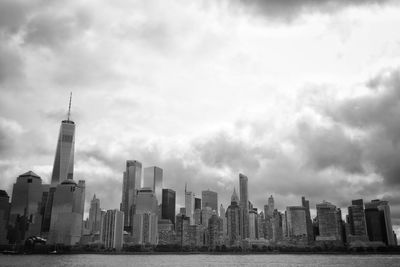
(30,174)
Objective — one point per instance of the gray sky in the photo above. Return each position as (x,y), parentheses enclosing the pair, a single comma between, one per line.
(301,96)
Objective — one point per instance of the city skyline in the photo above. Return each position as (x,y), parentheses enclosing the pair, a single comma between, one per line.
(205,103)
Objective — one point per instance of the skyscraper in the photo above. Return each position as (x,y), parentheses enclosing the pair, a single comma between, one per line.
(296,226)
(145,220)
(356,220)
(67,213)
(25,218)
(132,182)
(112,229)
(244,206)
(209,199)
(329,222)
(233,216)
(306,204)
(4,214)
(63,167)
(94,215)
(189,205)
(153,178)
(378,221)
(168,205)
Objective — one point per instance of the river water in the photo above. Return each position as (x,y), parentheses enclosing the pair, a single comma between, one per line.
(199,260)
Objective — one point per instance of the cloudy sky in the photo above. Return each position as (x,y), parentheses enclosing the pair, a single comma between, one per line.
(301,96)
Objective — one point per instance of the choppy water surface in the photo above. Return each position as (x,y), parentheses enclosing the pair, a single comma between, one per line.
(200,260)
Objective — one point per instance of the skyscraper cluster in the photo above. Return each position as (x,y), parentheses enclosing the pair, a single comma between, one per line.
(147,214)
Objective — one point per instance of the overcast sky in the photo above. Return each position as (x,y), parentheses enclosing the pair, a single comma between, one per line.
(301,96)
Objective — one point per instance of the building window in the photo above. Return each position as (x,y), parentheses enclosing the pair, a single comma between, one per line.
(67,138)
(29,181)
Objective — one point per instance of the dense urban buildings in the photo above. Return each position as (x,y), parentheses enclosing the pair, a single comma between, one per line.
(54,213)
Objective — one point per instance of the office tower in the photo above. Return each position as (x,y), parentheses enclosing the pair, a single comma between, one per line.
(356,220)
(269,208)
(233,216)
(306,204)
(261,225)
(182,229)
(67,213)
(94,221)
(153,178)
(25,218)
(132,182)
(4,215)
(168,205)
(197,203)
(145,221)
(209,199)
(378,221)
(215,231)
(197,216)
(329,222)
(222,215)
(252,224)
(276,221)
(244,206)
(165,232)
(112,230)
(189,205)
(296,225)
(206,214)
(63,167)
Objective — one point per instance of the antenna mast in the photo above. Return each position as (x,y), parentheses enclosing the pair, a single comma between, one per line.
(69,108)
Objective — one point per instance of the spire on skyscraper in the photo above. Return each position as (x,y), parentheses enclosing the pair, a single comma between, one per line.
(69,107)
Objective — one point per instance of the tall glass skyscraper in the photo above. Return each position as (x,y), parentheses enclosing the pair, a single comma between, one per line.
(168,205)
(63,167)
(244,206)
(131,184)
(153,178)
(209,199)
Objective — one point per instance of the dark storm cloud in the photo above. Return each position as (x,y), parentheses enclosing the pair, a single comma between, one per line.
(329,147)
(290,9)
(376,114)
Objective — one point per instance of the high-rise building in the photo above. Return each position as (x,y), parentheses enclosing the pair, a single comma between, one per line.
(356,220)
(209,199)
(233,216)
(189,205)
(145,220)
(165,232)
(206,214)
(378,221)
(306,204)
(269,208)
(182,229)
(112,229)
(253,233)
(132,182)
(244,206)
(4,215)
(153,178)
(276,221)
(296,225)
(222,215)
(67,213)
(168,205)
(329,222)
(25,217)
(197,203)
(94,221)
(63,167)
(215,232)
